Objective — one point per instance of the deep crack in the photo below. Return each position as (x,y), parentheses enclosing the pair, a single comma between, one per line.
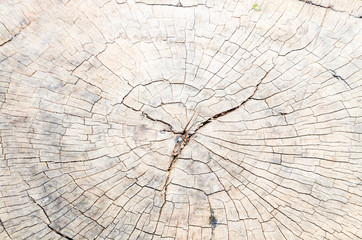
(94,105)
(334,74)
(59,233)
(2,224)
(184,139)
(48,224)
(328,7)
(216,116)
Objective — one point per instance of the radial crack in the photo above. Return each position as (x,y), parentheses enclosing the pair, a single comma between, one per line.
(216,116)
(59,233)
(184,139)
(15,35)
(48,224)
(327,7)
(334,74)
(2,224)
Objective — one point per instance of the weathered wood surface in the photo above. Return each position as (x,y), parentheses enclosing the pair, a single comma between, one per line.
(155,119)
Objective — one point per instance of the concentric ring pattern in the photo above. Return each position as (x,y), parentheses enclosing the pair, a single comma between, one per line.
(193,119)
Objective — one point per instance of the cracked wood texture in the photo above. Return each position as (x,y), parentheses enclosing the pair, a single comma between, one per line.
(192,119)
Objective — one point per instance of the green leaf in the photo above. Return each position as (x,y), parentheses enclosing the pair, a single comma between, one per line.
(256,7)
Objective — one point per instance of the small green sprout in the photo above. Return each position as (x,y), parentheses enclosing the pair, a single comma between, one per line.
(256,7)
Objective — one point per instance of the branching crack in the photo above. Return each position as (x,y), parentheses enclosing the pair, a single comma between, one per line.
(334,74)
(153,119)
(328,7)
(315,4)
(181,143)
(161,121)
(216,116)
(184,139)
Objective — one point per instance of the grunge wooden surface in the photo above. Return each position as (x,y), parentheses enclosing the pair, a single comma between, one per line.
(156,119)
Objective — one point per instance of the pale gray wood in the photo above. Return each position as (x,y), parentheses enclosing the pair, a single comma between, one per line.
(193,119)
